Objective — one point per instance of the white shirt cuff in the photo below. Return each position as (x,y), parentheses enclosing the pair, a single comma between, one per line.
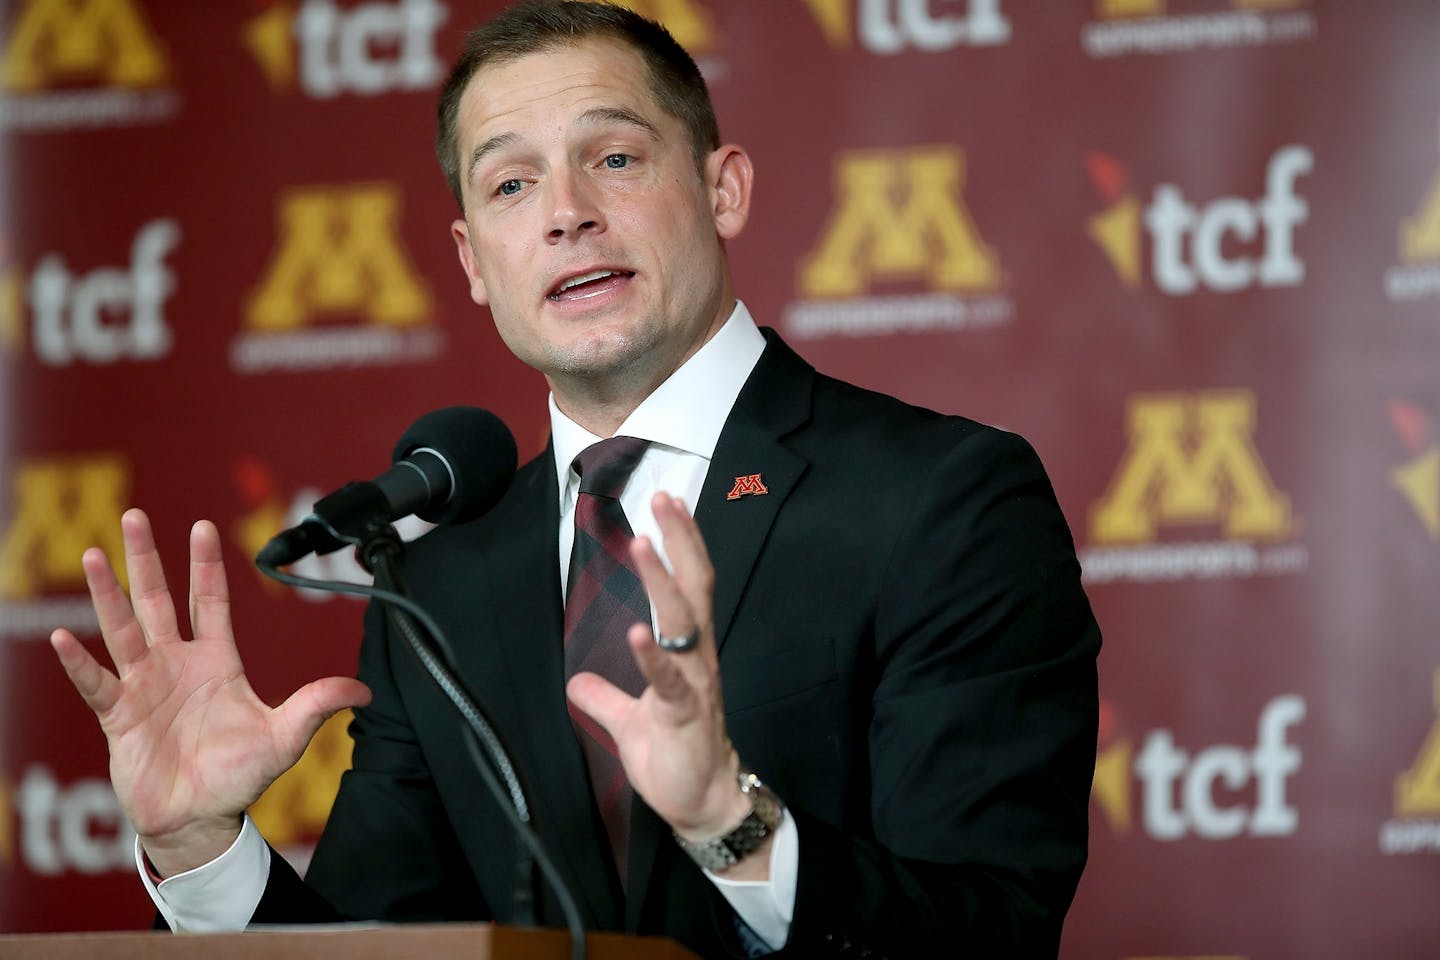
(768,906)
(218,897)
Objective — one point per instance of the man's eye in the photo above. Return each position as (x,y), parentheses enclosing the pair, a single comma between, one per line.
(509,188)
(618,161)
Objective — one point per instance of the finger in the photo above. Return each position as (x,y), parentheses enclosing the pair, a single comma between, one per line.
(678,612)
(601,700)
(684,544)
(97,686)
(209,590)
(673,678)
(686,549)
(295,721)
(154,607)
(118,626)
(673,613)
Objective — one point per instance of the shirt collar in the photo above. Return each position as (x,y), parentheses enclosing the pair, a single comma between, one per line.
(688,410)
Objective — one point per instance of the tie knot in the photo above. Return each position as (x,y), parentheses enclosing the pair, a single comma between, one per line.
(604,467)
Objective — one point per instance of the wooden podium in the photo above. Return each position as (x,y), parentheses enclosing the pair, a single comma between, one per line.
(477,941)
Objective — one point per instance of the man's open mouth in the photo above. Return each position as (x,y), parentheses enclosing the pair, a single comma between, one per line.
(590,284)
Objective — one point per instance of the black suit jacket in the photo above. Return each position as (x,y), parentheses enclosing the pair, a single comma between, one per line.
(906,654)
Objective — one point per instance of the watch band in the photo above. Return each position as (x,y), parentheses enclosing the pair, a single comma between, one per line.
(723,851)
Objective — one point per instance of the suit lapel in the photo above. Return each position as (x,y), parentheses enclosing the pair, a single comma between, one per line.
(527,614)
(774,401)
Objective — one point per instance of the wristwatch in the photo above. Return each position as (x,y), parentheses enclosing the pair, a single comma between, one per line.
(723,851)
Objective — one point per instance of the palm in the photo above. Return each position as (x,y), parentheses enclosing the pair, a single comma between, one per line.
(188,736)
(669,743)
(191,745)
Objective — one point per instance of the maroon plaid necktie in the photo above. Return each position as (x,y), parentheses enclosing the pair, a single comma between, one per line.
(604,599)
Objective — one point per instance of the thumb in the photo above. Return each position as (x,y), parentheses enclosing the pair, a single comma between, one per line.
(600,699)
(296,720)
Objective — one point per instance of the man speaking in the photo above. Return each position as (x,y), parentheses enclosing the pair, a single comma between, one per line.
(868,726)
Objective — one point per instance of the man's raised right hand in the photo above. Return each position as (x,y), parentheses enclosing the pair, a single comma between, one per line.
(191,745)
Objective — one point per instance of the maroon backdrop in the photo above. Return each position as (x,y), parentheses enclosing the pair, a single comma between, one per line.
(1190,248)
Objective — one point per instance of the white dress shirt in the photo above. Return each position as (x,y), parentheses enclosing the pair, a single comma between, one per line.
(682,419)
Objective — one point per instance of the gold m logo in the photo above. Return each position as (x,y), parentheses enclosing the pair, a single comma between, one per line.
(103,40)
(1420,234)
(1417,790)
(61,507)
(687,20)
(339,253)
(1191,460)
(900,216)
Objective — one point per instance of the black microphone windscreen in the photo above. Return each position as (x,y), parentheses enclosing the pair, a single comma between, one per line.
(479,449)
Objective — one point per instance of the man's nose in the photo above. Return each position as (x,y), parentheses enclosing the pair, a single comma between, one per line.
(575,207)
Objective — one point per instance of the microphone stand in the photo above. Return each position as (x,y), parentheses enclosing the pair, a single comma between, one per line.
(381,552)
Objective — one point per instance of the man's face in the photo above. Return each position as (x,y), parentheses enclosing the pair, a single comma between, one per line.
(588,229)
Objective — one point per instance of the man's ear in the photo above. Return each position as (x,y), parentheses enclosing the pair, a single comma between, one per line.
(730,177)
(461,232)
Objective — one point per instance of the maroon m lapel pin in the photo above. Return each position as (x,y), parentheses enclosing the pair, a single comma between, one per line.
(748,485)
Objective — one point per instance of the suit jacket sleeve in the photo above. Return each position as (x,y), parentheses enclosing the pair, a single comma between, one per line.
(388,850)
(981,737)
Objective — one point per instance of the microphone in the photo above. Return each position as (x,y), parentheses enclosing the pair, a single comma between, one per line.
(450,466)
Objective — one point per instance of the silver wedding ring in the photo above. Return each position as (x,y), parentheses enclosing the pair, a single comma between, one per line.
(679,644)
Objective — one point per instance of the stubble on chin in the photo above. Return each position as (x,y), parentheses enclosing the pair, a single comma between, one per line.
(613,360)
